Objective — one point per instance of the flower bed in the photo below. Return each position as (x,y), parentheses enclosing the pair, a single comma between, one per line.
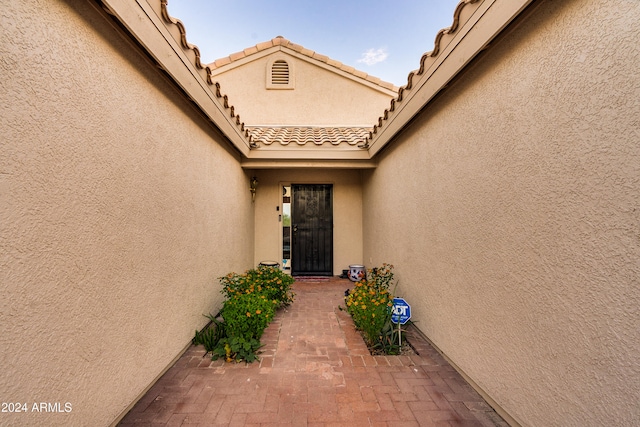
(251,301)
(369,304)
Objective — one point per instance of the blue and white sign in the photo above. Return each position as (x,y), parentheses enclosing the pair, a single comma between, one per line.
(401,311)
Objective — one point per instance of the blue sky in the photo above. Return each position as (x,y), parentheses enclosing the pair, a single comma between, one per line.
(385,39)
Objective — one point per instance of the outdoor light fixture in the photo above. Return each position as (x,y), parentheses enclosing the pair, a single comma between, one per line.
(252,187)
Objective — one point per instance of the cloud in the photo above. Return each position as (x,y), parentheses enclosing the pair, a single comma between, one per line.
(373,56)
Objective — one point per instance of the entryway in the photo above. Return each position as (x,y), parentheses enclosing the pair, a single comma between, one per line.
(314,369)
(308,238)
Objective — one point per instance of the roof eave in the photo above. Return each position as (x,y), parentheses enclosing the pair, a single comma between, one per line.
(365,80)
(280,163)
(280,44)
(180,60)
(454,49)
(294,156)
(476,23)
(304,153)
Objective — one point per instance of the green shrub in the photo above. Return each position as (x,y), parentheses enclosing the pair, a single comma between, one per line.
(380,278)
(369,304)
(274,283)
(269,281)
(388,342)
(251,300)
(237,349)
(210,336)
(247,315)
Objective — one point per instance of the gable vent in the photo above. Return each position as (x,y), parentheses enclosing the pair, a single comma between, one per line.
(280,73)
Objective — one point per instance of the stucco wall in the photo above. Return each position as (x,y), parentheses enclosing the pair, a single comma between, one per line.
(510,209)
(347,212)
(120,207)
(320,98)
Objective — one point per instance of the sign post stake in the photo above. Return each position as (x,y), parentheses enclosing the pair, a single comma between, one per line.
(400,314)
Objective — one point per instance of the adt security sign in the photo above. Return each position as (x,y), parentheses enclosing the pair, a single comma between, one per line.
(401,311)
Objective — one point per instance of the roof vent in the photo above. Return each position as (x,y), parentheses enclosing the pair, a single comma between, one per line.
(279,75)
(280,72)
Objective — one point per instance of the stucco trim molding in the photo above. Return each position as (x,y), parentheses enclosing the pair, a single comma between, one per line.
(164,39)
(281,44)
(321,163)
(316,60)
(475,24)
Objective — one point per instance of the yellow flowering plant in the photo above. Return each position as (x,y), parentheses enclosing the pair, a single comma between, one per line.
(269,281)
(247,315)
(251,301)
(370,302)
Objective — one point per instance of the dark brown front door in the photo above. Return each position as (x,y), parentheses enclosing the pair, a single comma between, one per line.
(312,230)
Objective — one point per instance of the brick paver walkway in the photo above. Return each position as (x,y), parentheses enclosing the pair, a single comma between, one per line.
(315,370)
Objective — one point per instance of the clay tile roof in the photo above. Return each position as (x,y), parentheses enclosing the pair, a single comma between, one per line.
(281,41)
(428,57)
(250,50)
(300,135)
(223,99)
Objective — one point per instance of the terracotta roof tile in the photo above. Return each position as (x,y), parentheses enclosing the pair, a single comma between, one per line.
(250,50)
(360,74)
(388,85)
(222,61)
(264,45)
(264,135)
(281,41)
(348,69)
(307,52)
(323,58)
(427,57)
(237,55)
(374,80)
(296,47)
(215,87)
(303,135)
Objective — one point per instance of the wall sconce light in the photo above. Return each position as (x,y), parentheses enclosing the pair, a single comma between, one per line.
(252,187)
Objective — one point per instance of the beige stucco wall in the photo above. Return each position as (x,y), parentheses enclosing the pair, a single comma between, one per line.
(511,212)
(347,212)
(320,97)
(120,207)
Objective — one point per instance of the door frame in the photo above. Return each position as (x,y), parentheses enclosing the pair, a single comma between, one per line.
(290,184)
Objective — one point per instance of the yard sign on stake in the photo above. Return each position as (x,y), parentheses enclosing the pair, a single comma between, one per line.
(400,314)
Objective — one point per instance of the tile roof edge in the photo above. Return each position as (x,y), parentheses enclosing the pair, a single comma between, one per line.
(432,55)
(285,43)
(223,99)
(303,135)
(254,126)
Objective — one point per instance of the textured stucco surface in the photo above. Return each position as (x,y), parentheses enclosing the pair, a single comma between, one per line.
(511,209)
(347,212)
(320,98)
(119,208)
